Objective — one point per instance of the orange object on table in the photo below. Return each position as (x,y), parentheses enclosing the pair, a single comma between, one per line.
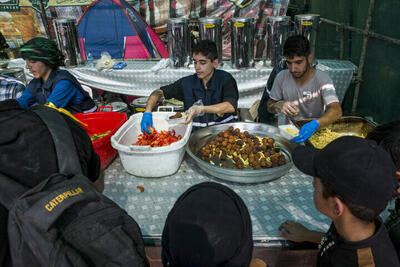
(141,188)
(100,123)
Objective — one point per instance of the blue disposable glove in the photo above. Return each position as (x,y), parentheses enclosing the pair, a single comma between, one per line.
(147,120)
(306,131)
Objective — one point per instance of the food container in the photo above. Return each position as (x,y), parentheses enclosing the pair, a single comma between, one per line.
(211,29)
(171,108)
(242,42)
(119,106)
(247,176)
(172,105)
(101,122)
(178,41)
(139,104)
(308,26)
(146,161)
(278,30)
(351,125)
(68,41)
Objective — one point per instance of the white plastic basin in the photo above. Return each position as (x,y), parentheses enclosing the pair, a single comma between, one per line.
(146,161)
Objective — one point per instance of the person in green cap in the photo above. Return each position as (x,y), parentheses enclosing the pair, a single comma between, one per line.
(50,84)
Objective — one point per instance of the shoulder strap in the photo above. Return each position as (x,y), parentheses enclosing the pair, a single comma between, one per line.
(10,190)
(67,155)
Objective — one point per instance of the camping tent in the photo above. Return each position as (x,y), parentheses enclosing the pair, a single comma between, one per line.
(116,27)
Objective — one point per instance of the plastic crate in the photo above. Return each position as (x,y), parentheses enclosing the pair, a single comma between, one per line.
(146,161)
(101,122)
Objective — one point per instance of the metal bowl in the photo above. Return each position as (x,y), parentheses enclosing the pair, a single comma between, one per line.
(201,137)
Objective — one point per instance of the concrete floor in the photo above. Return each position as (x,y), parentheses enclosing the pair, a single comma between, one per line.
(273,257)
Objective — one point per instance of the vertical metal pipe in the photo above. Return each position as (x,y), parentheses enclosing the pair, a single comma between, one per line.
(341,36)
(44,19)
(362,57)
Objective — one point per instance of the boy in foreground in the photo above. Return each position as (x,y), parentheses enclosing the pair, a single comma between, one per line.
(354,179)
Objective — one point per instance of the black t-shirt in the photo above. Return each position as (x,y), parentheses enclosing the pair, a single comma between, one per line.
(375,251)
(27,153)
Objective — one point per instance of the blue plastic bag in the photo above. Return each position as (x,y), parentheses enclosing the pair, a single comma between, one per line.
(119,65)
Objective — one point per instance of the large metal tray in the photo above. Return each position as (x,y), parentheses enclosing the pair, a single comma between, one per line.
(347,125)
(199,138)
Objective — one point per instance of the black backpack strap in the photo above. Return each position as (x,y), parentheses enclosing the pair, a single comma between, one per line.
(67,155)
(10,190)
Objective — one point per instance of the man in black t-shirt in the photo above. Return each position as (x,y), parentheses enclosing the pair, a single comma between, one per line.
(27,155)
(354,179)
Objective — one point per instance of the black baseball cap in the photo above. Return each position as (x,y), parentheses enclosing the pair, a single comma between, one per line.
(209,225)
(358,170)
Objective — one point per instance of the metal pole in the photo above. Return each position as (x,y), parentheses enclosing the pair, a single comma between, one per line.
(368,33)
(44,19)
(341,35)
(363,54)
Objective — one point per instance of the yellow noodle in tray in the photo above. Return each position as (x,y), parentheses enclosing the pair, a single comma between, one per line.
(324,136)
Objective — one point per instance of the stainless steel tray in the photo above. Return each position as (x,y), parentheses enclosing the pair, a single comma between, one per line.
(347,125)
(199,138)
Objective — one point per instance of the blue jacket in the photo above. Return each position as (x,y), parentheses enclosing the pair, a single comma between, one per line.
(41,91)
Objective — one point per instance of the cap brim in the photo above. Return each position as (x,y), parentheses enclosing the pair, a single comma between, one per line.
(303,159)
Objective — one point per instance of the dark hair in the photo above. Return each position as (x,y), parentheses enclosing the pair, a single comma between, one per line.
(361,212)
(53,66)
(296,45)
(207,48)
(388,137)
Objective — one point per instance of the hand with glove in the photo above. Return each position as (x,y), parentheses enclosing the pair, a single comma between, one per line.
(193,111)
(306,131)
(147,121)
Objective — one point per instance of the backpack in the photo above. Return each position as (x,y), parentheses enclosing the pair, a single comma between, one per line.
(65,220)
